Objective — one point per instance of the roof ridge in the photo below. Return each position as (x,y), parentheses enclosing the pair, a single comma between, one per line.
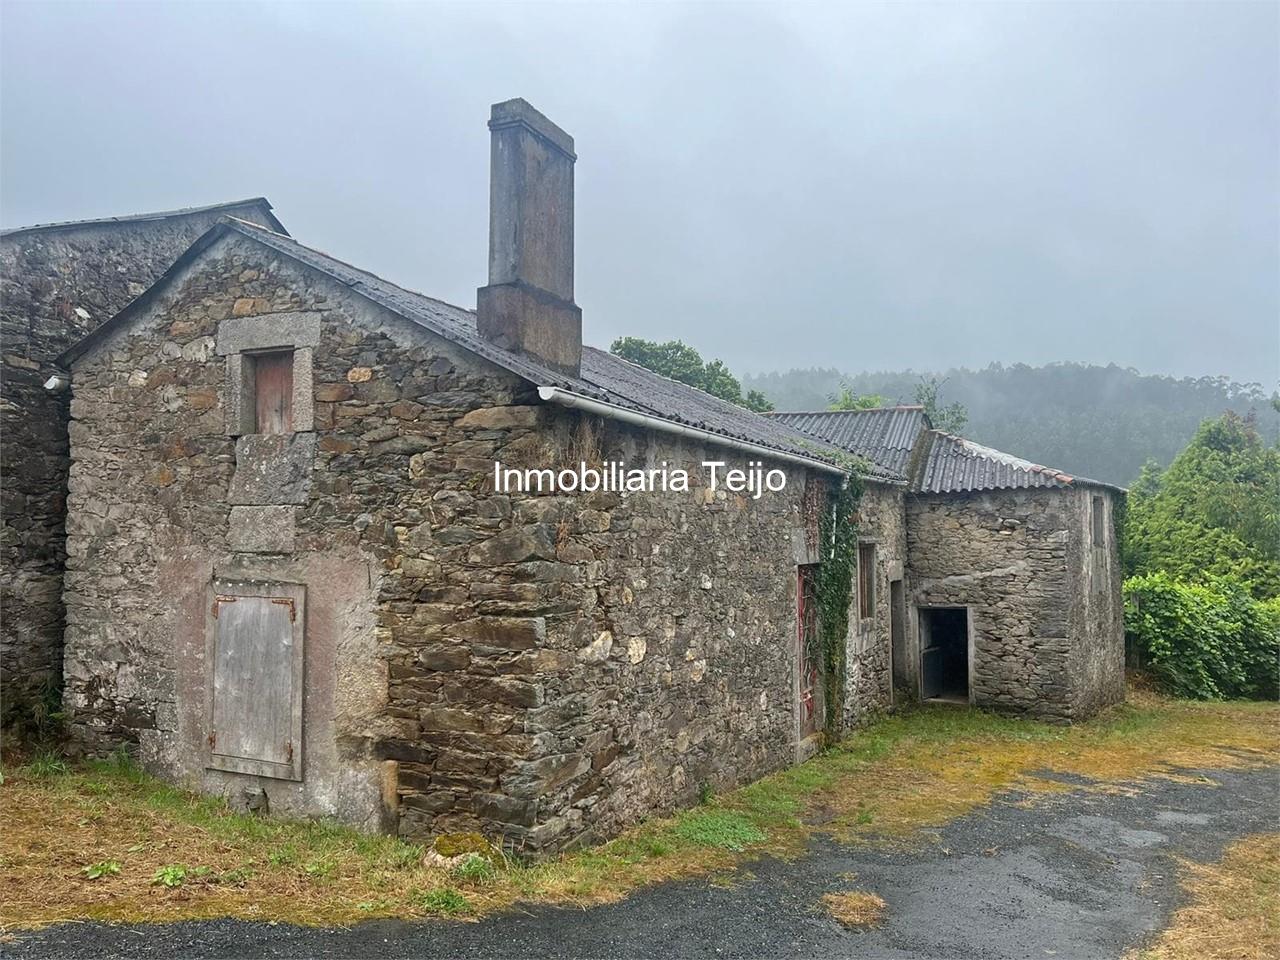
(816,413)
(682,404)
(137,217)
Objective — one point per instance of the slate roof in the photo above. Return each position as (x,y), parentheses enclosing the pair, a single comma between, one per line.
(262,202)
(604,377)
(902,442)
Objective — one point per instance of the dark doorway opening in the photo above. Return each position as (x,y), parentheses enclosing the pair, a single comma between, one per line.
(944,653)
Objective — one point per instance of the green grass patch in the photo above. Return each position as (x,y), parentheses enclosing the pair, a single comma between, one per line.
(723,829)
(445,901)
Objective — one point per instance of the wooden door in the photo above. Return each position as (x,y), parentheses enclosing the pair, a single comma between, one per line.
(255,703)
(809,649)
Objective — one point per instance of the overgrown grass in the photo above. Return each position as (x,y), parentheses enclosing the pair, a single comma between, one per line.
(891,781)
(1234,912)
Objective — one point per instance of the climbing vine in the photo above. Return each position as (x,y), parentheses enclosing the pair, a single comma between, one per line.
(838,557)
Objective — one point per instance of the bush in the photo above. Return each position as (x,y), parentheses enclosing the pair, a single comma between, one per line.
(1207,641)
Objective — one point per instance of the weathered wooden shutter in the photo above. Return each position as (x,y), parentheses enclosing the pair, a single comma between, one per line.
(866,580)
(273,392)
(255,714)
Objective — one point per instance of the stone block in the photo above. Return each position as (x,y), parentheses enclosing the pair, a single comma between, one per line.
(267,529)
(273,469)
(509,633)
(500,418)
(515,546)
(239,333)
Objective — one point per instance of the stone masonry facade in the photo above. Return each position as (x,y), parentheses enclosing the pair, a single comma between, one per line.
(543,668)
(1014,559)
(56,285)
(546,669)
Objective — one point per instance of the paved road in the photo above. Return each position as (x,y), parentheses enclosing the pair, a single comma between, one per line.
(1076,875)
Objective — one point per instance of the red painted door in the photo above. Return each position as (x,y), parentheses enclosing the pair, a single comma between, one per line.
(808,654)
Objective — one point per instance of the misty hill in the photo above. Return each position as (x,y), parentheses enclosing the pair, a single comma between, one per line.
(1100,422)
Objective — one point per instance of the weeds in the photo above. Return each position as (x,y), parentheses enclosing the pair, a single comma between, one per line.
(173,875)
(103,868)
(474,869)
(44,765)
(444,901)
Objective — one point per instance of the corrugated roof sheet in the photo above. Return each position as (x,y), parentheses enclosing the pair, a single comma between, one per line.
(146,217)
(888,436)
(883,435)
(603,376)
(955,465)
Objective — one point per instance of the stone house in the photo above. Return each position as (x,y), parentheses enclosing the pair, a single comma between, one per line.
(296,561)
(1011,594)
(58,281)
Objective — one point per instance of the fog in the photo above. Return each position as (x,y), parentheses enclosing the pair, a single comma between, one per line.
(868,187)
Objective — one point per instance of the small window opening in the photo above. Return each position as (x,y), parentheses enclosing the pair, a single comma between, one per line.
(1099,522)
(866,580)
(273,392)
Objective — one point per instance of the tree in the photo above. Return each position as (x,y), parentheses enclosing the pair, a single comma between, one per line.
(1091,420)
(1214,512)
(949,419)
(679,361)
(846,399)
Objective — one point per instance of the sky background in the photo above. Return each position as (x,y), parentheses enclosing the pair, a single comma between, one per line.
(868,187)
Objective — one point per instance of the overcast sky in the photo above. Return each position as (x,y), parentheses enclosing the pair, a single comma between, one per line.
(869,187)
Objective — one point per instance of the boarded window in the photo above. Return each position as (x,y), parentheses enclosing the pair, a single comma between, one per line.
(866,580)
(273,392)
(1099,518)
(255,714)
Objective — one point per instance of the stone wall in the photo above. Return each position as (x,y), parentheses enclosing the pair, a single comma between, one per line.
(1097,609)
(56,285)
(881,521)
(543,668)
(1005,556)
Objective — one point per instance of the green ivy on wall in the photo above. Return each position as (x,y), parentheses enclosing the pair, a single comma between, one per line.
(838,558)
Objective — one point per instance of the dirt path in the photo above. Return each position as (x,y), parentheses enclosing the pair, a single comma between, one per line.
(1081,874)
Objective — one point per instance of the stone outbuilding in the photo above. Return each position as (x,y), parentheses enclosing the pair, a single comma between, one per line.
(1010,596)
(316,547)
(58,281)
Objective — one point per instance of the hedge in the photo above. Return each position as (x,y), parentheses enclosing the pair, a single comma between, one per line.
(1207,641)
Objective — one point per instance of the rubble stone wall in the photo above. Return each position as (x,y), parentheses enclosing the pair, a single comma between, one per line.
(882,522)
(544,668)
(57,285)
(1005,556)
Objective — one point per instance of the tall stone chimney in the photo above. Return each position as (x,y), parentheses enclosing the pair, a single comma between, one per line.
(528,305)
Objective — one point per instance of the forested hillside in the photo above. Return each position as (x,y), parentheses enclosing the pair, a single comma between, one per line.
(1100,422)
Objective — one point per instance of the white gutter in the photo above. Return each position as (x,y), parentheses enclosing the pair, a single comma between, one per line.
(576,401)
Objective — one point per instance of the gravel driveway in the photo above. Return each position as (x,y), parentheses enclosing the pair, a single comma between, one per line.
(1073,875)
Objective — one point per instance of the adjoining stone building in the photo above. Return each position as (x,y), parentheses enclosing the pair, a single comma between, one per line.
(1010,597)
(58,281)
(292,566)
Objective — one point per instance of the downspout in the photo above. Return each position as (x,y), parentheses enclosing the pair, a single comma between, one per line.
(612,411)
